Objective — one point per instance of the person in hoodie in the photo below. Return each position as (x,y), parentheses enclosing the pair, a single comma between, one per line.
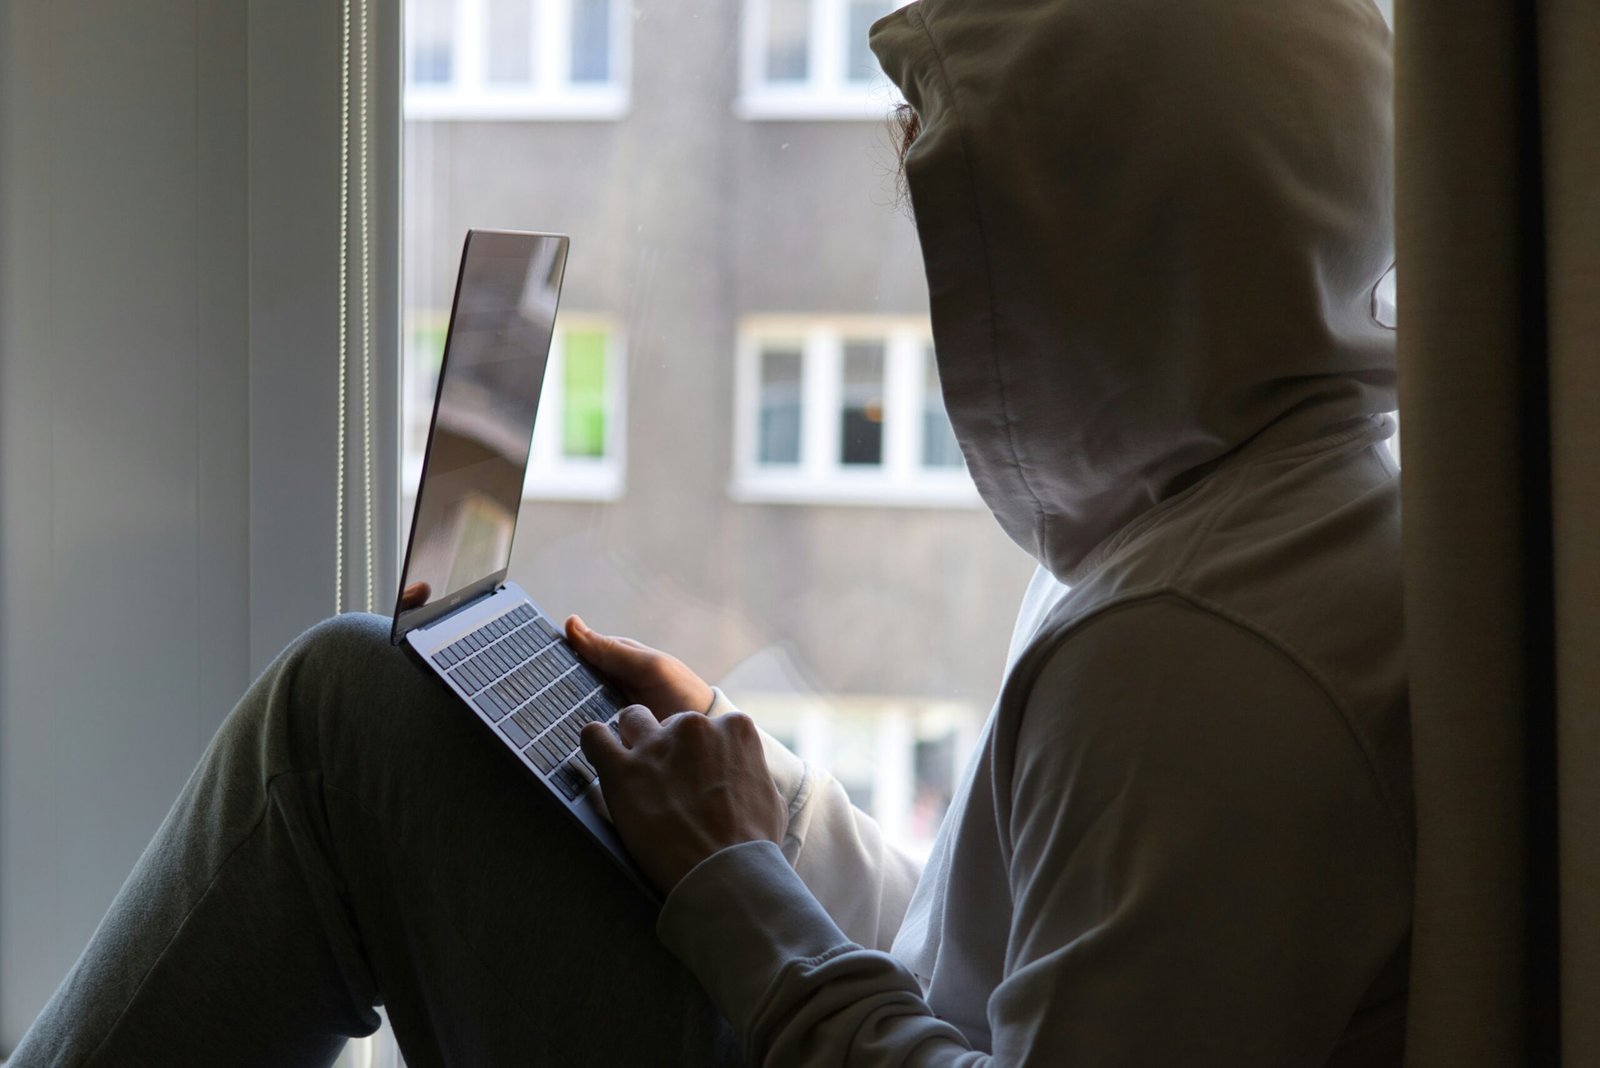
(1152,234)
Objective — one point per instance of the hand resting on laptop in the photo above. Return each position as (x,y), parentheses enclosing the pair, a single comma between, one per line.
(683,788)
(662,683)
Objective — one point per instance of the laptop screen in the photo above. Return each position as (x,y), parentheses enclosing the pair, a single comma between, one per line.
(488,392)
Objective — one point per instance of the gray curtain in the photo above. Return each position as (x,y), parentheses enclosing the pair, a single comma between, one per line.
(1498,216)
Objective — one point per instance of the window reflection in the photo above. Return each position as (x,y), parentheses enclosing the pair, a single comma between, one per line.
(430,29)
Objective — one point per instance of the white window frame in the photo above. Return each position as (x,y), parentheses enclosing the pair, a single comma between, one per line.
(825,93)
(553,476)
(819,477)
(551,95)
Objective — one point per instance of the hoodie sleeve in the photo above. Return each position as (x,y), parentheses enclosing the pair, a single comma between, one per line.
(1202,871)
(838,851)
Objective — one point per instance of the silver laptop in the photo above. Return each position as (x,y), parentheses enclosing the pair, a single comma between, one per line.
(481,634)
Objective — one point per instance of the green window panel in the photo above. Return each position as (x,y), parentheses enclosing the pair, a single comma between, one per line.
(583,395)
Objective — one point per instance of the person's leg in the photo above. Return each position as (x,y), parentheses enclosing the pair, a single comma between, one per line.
(353,835)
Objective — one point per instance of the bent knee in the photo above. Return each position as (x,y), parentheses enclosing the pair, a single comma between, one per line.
(348,669)
(351,635)
(346,661)
(334,688)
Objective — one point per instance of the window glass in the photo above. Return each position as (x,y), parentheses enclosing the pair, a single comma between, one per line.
(779,441)
(853,758)
(861,65)
(591,40)
(861,421)
(510,40)
(788,40)
(583,391)
(939,446)
(935,765)
(430,28)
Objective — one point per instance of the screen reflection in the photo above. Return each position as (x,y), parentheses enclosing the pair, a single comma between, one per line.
(477,456)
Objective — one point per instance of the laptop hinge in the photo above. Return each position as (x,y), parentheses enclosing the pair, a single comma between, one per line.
(458,609)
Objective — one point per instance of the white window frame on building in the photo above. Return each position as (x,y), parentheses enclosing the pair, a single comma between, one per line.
(870,743)
(546,91)
(819,472)
(552,475)
(827,88)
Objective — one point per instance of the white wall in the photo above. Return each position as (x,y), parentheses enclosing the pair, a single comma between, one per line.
(168,313)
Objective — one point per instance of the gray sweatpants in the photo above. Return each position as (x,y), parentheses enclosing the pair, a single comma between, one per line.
(353,837)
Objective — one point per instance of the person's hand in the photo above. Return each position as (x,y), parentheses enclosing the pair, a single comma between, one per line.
(662,683)
(685,788)
(414,596)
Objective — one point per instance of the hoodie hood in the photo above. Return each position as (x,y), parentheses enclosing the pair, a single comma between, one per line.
(1152,233)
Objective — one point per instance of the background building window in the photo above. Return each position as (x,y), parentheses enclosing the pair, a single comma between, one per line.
(591,42)
(778,431)
(809,59)
(843,411)
(788,41)
(898,760)
(577,451)
(516,59)
(861,417)
(861,66)
(939,446)
(510,42)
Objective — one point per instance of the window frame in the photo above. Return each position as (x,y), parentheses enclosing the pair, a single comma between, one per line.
(551,95)
(820,477)
(826,93)
(555,476)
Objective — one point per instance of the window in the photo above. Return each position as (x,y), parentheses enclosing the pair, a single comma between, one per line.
(844,411)
(516,59)
(809,59)
(578,434)
(577,451)
(900,761)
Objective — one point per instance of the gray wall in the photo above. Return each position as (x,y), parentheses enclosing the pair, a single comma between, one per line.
(168,230)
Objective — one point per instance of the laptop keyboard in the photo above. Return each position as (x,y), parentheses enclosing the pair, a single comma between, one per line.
(521,674)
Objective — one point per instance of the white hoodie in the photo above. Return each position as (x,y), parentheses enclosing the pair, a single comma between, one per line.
(1152,231)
